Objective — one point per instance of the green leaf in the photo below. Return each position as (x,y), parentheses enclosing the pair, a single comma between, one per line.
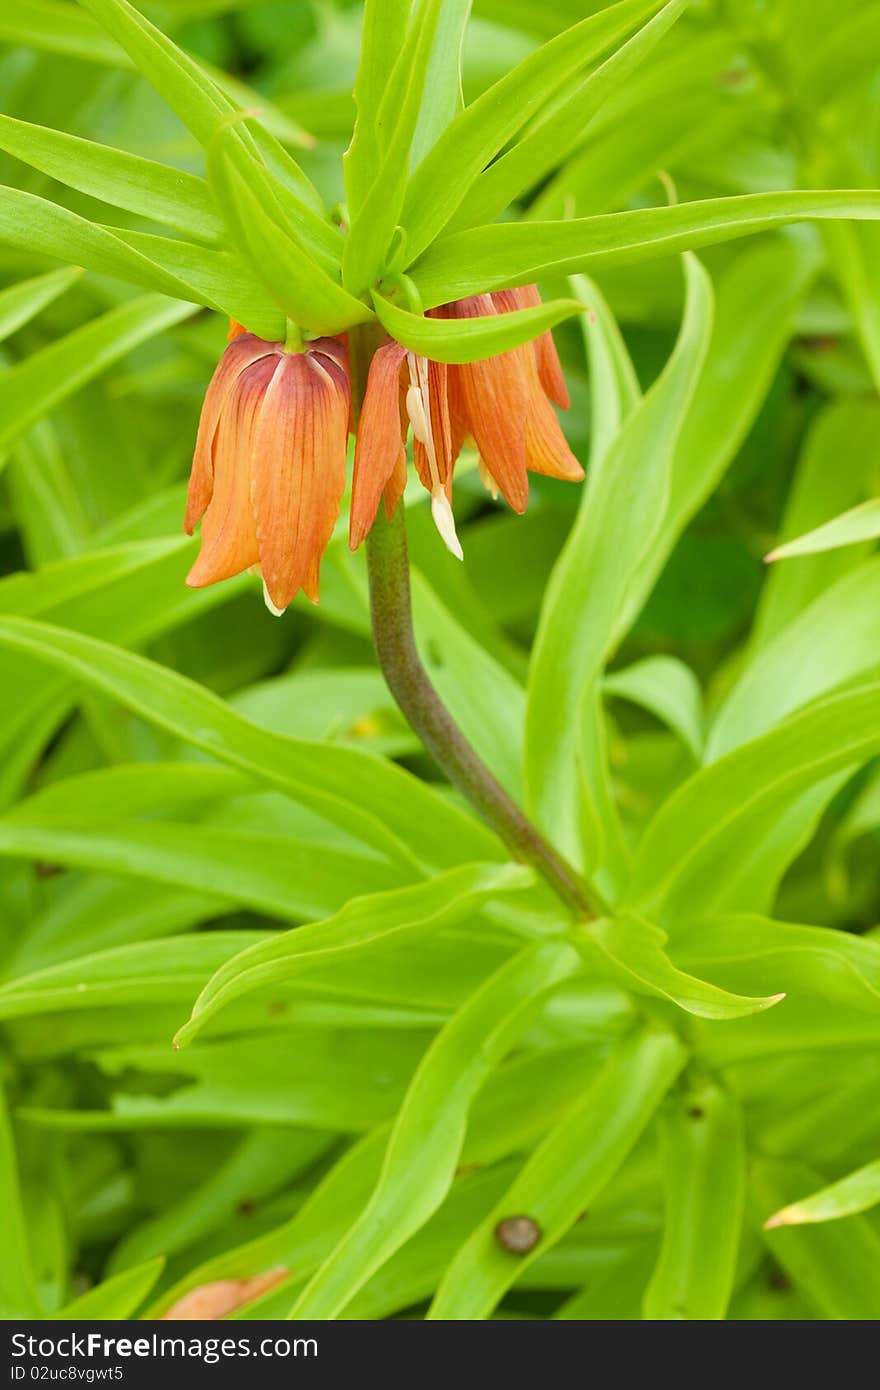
(298,284)
(575,1161)
(263,1161)
(51,26)
(551,140)
(115,1299)
(18,1289)
(832,642)
(427,1136)
(859,524)
(746,951)
(38,226)
(281,877)
(613,1294)
(137,974)
(362,924)
(472,140)
(36,385)
(704,1179)
(124,180)
(692,853)
(836,1267)
(57,28)
(20,303)
(849,427)
(631,951)
(619,515)
(381,804)
(384,31)
(667,688)
(470,340)
(614,385)
(374,223)
(517,253)
(858,1191)
(744,354)
(443,79)
(485,700)
(182,82)
(342,1078)
(220,279)
(303,1241)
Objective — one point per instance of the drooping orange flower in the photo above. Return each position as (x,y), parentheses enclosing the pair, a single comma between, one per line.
(269,469)
(502,404)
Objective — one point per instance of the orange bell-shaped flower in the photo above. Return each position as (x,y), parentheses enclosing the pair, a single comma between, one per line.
(269,469)
(502,404)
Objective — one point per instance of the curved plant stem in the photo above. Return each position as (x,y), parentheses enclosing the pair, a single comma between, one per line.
(391,611)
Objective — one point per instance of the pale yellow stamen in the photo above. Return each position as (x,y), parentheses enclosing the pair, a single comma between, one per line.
(441,511)
(418,387)
(276,612)
(416,412)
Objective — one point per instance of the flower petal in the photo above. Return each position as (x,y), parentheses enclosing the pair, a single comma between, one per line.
(494,400)
(239,355)
(298,472)
(229,540)
(549,367)
(439,459)
(547,449)
(379,455)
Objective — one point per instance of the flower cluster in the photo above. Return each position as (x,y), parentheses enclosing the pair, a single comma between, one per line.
(269,469)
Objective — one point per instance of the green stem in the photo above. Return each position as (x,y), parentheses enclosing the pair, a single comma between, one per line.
(391,611)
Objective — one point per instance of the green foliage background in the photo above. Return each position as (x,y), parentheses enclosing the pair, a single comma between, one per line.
(184,778)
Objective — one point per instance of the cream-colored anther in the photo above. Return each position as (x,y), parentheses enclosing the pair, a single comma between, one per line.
(416,412)
(441,511)
(276,612)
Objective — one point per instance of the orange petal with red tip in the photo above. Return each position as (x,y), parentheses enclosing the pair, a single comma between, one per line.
(298,472)
(229,539)
(550,370)
(379,454)
(494,397)
(238,356)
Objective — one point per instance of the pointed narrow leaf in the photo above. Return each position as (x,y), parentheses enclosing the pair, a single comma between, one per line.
(384,30)
(704,1180)
(381,804)
(859,524)
(425,907)
(297,283)
(546,146)
(518,253)
(427,1136)
(115,1299)
(858,1191)
(124,180)
(22,302)
(633,949)
(564,1174)
(35,386)
(473,139)
(470,340)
